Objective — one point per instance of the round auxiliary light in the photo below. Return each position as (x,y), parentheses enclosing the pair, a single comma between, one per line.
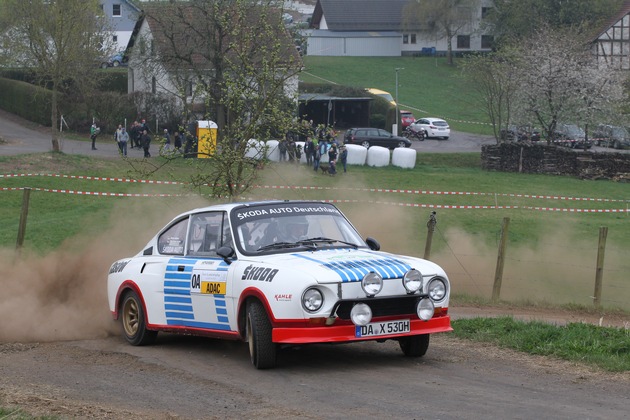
(372,284)
(425,309)
(312,300)
(412,280)
(361,314)
(437,289)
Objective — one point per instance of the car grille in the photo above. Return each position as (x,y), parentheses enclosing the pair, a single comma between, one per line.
(404,305)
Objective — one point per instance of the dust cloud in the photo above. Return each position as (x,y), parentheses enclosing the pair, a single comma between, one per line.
(63,295)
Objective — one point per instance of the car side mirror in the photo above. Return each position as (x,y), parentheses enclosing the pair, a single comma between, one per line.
(373,244)
(227,253)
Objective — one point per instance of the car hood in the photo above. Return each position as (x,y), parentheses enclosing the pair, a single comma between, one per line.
(347,265)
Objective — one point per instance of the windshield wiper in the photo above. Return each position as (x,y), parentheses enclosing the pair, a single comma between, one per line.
(322,239)
(284,245)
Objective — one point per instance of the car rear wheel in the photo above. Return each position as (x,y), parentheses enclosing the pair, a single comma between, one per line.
(262,351)
(366,144)
(134,321)
(414,346)
(116,63)
(402,144)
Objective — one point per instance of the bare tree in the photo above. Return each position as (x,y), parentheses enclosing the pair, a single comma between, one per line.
(60,40)
(494,77)
(445,18)
(236,56)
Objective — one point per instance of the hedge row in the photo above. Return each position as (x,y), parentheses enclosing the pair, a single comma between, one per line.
(26,100)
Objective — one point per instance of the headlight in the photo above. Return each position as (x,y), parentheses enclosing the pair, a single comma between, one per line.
(372,284)
(312,300)
(437,289)
(412,280)
(361,314)
(425,309)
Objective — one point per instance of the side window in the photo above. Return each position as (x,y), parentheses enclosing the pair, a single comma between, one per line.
(208,232)
(172,240)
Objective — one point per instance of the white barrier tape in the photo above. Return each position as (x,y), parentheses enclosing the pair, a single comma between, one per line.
(417,205)
(316,187)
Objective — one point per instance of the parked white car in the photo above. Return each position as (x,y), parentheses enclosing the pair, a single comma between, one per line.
(276,274)
(432,127)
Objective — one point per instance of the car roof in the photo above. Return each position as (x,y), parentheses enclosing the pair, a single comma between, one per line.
(229,206)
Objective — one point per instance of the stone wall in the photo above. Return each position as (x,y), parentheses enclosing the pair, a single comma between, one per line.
(556,160)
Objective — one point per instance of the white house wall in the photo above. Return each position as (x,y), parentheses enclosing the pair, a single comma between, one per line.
(613,46)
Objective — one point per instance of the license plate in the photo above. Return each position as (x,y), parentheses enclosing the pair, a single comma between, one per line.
(383,328)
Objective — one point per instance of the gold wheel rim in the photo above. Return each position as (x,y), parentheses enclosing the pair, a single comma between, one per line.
(131,317)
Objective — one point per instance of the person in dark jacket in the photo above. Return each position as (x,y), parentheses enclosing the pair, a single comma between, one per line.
(145,140)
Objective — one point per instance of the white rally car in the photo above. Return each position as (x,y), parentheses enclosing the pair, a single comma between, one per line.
(276,273)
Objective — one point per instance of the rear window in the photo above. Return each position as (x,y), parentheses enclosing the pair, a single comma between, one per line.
(440,123)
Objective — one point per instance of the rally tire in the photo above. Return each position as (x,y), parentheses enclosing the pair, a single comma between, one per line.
(262,351)
(414,346)
(133,321)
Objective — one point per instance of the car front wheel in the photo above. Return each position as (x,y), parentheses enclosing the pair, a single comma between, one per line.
(414,346)
(402,144)
(134,321)
(262,351)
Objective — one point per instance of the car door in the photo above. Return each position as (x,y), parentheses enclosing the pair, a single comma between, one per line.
(384,138)
(195,283)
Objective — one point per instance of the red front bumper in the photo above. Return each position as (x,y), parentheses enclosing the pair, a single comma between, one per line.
(345,333)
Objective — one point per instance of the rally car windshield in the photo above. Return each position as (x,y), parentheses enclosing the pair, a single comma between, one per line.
(291,226)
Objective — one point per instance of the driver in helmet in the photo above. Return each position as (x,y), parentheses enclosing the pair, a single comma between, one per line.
(295,228)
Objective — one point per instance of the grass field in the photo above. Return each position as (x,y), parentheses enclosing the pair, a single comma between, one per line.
(551,253)
(427,86)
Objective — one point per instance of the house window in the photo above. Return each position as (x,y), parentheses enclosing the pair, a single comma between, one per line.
(463,41)
(153,85)
(189,88)
(485,11)
(116,10)
(115,38)
(409,38)
(487,41)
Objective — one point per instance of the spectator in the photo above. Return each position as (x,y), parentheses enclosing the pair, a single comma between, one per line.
(177,141)
(309,148)
(123,138)
(343,156)
(282,146)
(145,140)
(167,140)
(332,159)
(94,132)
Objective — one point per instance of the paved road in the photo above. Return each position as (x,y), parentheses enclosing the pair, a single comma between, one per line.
(19,136)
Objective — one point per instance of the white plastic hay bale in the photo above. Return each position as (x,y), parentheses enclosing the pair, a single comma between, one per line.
(378,156)
(404,157)
(273,152)
(255,149)
(356,154)
(299,145)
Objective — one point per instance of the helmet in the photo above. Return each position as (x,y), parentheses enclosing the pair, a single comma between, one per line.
(294,227)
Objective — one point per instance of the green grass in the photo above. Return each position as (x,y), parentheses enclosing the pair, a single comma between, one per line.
(606,348)
(427,86)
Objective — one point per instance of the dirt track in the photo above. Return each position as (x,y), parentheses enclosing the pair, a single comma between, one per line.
(195,378)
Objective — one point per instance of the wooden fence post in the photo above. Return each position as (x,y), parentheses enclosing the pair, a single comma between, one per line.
(430,228)
(23,215)
(498,274)
(599,270)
